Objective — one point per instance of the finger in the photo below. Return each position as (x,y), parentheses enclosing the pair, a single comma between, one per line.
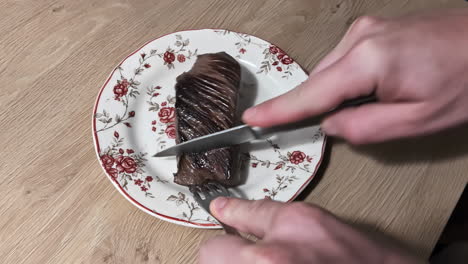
(254,217)
(375,122)
(361,28)
(223,249)
(273,252)
(349,77)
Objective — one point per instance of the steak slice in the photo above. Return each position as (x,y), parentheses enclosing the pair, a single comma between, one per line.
(206,101)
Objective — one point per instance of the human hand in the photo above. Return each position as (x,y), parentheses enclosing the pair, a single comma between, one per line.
(417,65)
(290,233)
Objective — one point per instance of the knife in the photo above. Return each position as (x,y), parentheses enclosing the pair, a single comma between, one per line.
(244,133)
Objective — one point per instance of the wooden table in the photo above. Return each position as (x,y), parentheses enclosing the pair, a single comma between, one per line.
(58,207)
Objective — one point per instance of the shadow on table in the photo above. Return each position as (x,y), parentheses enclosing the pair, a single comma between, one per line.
(444,145)
(386,239)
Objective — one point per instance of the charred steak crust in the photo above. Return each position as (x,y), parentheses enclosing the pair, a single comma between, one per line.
(206,101)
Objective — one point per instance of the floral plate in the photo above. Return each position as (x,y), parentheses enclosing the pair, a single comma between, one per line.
(134,118)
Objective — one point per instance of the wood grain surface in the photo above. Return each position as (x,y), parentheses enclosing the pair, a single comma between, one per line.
(56,204)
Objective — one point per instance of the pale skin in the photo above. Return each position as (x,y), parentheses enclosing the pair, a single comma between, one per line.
(418,67)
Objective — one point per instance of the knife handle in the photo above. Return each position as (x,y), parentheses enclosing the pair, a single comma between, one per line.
(261,132)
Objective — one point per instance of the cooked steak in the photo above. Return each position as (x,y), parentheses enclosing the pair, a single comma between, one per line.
(206,101)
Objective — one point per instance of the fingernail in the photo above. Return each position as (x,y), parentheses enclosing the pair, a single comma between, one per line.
(219,204)
(249,113)
(329,128)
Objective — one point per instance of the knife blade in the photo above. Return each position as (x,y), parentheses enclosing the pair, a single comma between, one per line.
(244,133)
(228,137)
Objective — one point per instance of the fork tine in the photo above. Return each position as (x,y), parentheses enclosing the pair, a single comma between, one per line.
(204,188)
(197,196)
(210,191)
(220,188)
(212,187)
(195,189)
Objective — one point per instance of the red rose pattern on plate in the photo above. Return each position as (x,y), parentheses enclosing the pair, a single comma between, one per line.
(296,160)
(243,41)
(127,165)
(166,115)
(277,58)
(181,58)
(163,122)
(171,131)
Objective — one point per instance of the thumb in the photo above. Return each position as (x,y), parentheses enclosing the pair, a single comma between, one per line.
(345,79)
(254,217)
(375,122)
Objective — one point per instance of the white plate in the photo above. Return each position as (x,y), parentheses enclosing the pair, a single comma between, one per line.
(134,114)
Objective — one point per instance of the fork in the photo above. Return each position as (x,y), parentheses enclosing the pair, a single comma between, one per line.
(206,193)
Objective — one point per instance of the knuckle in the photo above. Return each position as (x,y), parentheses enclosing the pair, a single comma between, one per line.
(352,132)
(370,53)
(364,23)
(423,114)
(298,216)
(356,138)
(370,46)
(257,205)
(298,213)
(267,255)
(205,249)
